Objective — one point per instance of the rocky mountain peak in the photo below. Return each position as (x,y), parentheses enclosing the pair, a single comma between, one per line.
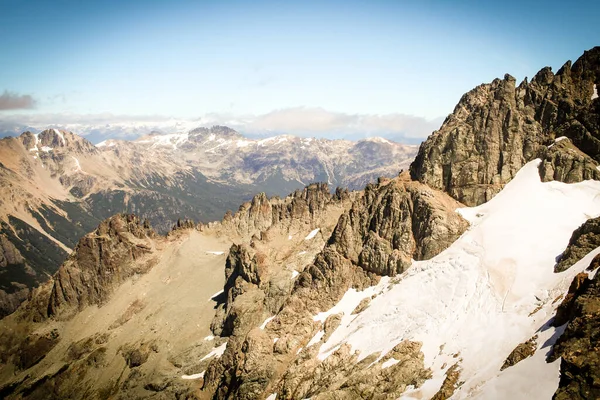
(55,139)
(100,262)
(497,127)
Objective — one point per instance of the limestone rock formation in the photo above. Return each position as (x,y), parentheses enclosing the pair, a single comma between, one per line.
(584,239)
(497,127)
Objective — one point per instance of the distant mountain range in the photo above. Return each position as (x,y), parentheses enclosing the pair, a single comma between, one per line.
(56,186)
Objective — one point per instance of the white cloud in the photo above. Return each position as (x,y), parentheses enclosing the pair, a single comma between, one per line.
(299,121)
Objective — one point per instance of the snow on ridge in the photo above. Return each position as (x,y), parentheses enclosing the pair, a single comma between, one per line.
(46,149)
(478,294)
(216,352)
(378,139)
(194,376)
(60,135)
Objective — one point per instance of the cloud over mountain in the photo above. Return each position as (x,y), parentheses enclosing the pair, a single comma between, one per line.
(299,121)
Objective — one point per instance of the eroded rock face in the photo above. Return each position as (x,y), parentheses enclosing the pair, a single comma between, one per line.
(497,127)
(394,223)
(391,223)
(578,346)
(101,261)
(583,240)
(13,264)
(261,213)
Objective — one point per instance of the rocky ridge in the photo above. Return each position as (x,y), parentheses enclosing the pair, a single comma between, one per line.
(578,345)
(498,127)
(385,222)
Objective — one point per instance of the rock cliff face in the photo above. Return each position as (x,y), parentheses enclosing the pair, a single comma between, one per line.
(578,345)
(13,270)
(101,261)
(496,128)
(395,222)
(584,239)
(388,225)
(304,205)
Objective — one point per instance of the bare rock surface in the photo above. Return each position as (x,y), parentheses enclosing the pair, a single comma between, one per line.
(498,127)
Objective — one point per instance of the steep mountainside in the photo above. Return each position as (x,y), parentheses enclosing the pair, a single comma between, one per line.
(498,127)
(395,291)
(57,186)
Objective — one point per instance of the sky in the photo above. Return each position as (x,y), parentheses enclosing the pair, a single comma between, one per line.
(312,68)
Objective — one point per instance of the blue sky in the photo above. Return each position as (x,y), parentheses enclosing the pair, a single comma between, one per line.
(290,62)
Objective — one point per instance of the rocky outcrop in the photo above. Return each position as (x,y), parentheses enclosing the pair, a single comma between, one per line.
(578,346)
(521,352)
(261,213)
(566,309)
(101,261)
(388,225)
(497,127)
(583,240)
(450,384)
(564,162)
(395,222)
(13,269)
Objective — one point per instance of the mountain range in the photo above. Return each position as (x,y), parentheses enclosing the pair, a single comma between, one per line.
(471,275)
(56,186)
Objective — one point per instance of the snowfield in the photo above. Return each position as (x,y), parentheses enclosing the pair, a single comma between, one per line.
(472,303)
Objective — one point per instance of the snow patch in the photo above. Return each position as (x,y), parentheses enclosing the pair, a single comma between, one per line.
(595,94)
(46,149)
(558,139)
(195,376)
(312,234)
(216,352)
(302,253)
(290,237)
(478,293)
(243,143)
(316,339)
(264,324)
(216,253)
(77,165)
(295,274)
(389,363)
(209,338)
(216,294)
(272,396)
(377,139)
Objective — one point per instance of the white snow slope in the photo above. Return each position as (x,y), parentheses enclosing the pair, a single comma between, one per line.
(475,298)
